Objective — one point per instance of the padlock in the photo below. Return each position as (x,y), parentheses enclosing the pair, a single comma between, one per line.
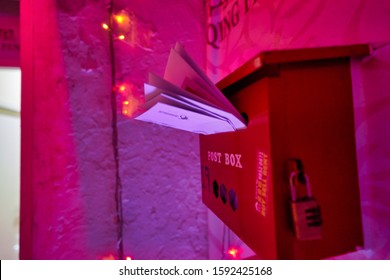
(305,210)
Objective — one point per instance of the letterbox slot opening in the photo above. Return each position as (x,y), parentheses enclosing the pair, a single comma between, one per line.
(245,117)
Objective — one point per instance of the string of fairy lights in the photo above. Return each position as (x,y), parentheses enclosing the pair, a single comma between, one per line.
(121,27)
(118,182)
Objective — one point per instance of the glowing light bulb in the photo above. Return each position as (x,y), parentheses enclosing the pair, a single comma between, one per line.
(119,18)
(121,37)
(128,100)
(109,257)
(122,88)
(105,26)
(233,252)
(129,258)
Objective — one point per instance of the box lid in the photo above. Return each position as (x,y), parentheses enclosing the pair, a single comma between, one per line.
(265,63)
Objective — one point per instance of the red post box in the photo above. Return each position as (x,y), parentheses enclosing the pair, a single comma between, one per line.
(299,105)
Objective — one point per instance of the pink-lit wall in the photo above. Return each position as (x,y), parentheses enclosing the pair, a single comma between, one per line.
(163,213)
(255,26)
(68,207)
(69,178)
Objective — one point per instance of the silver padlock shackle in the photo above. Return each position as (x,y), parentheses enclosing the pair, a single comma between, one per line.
(292,187)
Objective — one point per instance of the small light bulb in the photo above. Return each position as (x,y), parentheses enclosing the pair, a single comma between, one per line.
(108,257)
(119,19)
(105,26)
(122,88)
(126,102)
(129,258)
(233,252)
(121,37)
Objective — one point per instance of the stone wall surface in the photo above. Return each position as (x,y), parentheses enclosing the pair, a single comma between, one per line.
(70,179)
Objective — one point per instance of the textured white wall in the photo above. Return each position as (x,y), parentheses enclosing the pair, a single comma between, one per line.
(163,213)
(68,188)
(9,186)
(9,162)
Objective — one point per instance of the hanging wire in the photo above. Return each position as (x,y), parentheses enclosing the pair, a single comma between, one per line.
(114,124)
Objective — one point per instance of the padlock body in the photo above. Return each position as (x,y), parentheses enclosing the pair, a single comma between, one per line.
(307,219)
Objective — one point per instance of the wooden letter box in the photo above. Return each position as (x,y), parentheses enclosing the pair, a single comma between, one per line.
(299,105)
